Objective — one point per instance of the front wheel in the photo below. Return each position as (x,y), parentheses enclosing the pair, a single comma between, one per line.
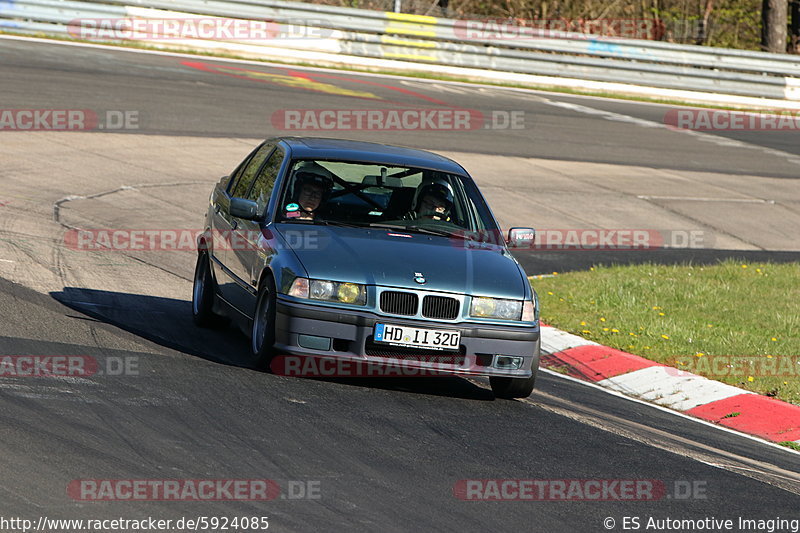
(203,295)
(510,388)
(263,333)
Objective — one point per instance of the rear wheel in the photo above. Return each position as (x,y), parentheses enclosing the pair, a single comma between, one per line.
(203,295)
(263,334)
(510,388)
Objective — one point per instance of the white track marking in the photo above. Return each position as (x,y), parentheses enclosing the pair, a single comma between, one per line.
(670,387)
(668,410)
(719,141)
(608,115)
(700,199)
(554,340)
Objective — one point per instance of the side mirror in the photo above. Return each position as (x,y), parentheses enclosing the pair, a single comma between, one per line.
(246,209)
(521,237)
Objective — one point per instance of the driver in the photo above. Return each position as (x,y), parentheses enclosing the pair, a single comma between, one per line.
(312,185)
(432,201)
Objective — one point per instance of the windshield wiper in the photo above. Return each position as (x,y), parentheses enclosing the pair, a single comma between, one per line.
(323,222)
(418,229)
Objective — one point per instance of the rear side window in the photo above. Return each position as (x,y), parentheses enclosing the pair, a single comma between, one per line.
(245,178)
(265,182)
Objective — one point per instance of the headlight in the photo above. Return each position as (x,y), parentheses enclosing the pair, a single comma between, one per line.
(321,290)
(495,308)
(329,291)
(350,293)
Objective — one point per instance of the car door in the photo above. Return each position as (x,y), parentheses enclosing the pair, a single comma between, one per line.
(225,225)
(220,221)
(248,251)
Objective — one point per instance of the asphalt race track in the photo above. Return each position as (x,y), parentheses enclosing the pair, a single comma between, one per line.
(373,454)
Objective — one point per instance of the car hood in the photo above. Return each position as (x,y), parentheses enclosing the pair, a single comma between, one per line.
(394,258)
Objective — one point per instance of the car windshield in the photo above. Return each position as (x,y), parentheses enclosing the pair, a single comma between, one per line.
(375,195)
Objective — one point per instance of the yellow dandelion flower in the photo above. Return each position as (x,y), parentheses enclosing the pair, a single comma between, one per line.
(769,357)
(550,293)
(660,314)
(699,354)
(744,266)
(602,319)
(555,273)
(656,308)
(632,334)
(664,336)
(646,347)
(785,382)
(751,379)
(586,332)
(774,339)
(614,330)
(605,329)
(583,323)
(709,325)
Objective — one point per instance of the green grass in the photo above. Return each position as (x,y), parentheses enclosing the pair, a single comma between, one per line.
(790,444)
(696,318)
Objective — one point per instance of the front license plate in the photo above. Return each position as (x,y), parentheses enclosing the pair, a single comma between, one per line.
(436,339)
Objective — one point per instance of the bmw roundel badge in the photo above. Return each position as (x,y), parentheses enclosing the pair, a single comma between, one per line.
(419,278)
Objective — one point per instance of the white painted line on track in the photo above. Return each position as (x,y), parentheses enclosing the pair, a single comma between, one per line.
(701,199)
(668,410)
(608,115)
(719,141)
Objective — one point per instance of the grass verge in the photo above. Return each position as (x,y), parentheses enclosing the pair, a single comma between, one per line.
(734,322)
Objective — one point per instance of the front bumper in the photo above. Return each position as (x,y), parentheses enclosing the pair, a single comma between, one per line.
(345,334)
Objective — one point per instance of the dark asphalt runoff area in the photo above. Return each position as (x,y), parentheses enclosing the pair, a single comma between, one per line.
(369,454)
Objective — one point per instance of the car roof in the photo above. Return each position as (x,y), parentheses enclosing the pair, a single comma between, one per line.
(347,150)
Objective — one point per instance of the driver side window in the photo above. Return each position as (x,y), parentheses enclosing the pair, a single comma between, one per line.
(245,178)
(261,191)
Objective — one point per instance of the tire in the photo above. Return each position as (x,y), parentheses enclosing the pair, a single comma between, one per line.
(203,294)
(510,388)
(262,337)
